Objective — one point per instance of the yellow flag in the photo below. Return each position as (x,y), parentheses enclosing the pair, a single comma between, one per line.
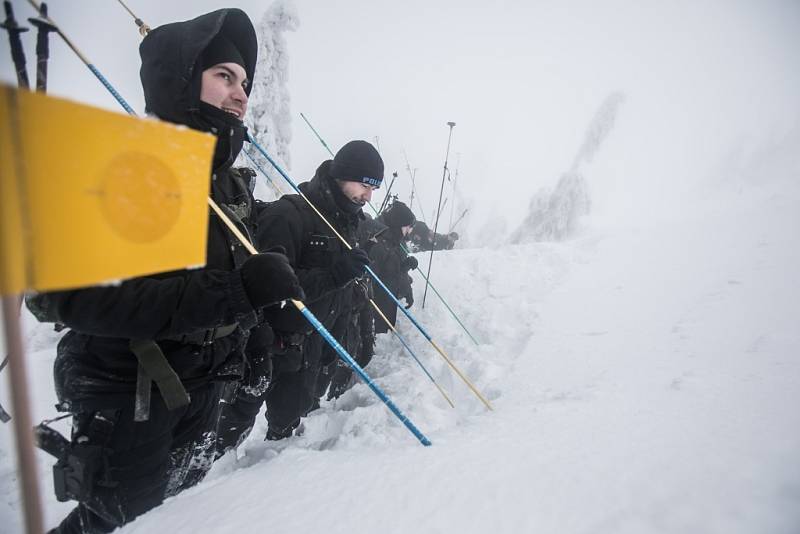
(88,196)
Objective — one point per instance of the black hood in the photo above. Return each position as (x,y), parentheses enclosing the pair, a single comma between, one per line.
(322,191)
(171,78)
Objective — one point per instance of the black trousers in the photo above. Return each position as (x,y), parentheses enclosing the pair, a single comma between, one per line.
(297,380)
(237,417)
(147,461)
(290,396)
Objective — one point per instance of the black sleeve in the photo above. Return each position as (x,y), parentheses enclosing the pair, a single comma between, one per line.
(281,224)
(387,261)
(260,341)
(149,307)
(383,262)
(441,242)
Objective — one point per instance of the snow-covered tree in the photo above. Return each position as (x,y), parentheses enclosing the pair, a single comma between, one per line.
(270,104)
(598,130)
(553,215)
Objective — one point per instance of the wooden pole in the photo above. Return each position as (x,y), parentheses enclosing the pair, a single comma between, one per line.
(23,427)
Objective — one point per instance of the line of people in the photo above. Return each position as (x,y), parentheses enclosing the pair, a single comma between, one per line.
(165,373)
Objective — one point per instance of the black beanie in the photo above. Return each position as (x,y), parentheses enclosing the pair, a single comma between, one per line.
(220,50)
(398,215)
(358,161)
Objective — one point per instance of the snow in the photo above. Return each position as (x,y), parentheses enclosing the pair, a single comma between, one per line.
(644,377)
(643,369)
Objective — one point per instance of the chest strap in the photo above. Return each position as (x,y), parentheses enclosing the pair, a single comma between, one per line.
(153,366)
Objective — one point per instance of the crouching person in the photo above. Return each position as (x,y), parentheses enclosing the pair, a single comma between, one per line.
(142,364)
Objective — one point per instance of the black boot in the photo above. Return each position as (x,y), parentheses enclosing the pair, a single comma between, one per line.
(275,435)
(82,521)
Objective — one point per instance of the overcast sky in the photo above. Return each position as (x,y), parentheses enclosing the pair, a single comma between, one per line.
(704,81)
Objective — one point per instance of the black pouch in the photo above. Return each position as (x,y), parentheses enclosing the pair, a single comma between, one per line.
(74,475)
(82,464)
(320,250)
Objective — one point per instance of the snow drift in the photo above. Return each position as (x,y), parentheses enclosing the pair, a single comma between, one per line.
(645,378)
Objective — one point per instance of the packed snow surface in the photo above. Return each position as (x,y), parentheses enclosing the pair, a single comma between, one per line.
(644,375)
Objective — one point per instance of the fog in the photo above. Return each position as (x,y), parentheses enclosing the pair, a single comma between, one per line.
(710,91)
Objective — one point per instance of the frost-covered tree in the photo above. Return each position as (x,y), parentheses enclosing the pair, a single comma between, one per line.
(553,214)
(598,130)
(270,104)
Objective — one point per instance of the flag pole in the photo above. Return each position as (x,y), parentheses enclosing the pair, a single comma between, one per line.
(23,426)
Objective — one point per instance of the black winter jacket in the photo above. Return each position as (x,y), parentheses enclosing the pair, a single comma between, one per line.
(423,239)
(387,257)
(311,247)
(95,368)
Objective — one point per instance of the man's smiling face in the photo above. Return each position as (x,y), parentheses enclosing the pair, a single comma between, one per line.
(223,86)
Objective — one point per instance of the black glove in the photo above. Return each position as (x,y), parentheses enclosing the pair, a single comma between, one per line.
(288,360)
(269,278)
(453,236)
(409,301)
(350,264)
(410,263)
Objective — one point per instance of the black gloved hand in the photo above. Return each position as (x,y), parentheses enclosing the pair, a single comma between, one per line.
(269,278)
(350,264)
(410,263)
(288,360)
(409,301)
(453,236)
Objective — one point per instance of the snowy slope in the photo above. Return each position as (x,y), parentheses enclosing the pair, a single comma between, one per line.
(645,377)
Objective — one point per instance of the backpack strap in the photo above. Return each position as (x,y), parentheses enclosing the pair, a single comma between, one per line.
(153,366)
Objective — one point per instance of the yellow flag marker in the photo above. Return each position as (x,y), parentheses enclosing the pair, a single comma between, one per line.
(89,196)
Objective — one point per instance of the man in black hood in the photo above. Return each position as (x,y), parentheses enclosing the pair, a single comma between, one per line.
(143,364)
(327,270)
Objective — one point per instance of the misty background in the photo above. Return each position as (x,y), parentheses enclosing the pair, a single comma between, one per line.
(644,369)
(710,93)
